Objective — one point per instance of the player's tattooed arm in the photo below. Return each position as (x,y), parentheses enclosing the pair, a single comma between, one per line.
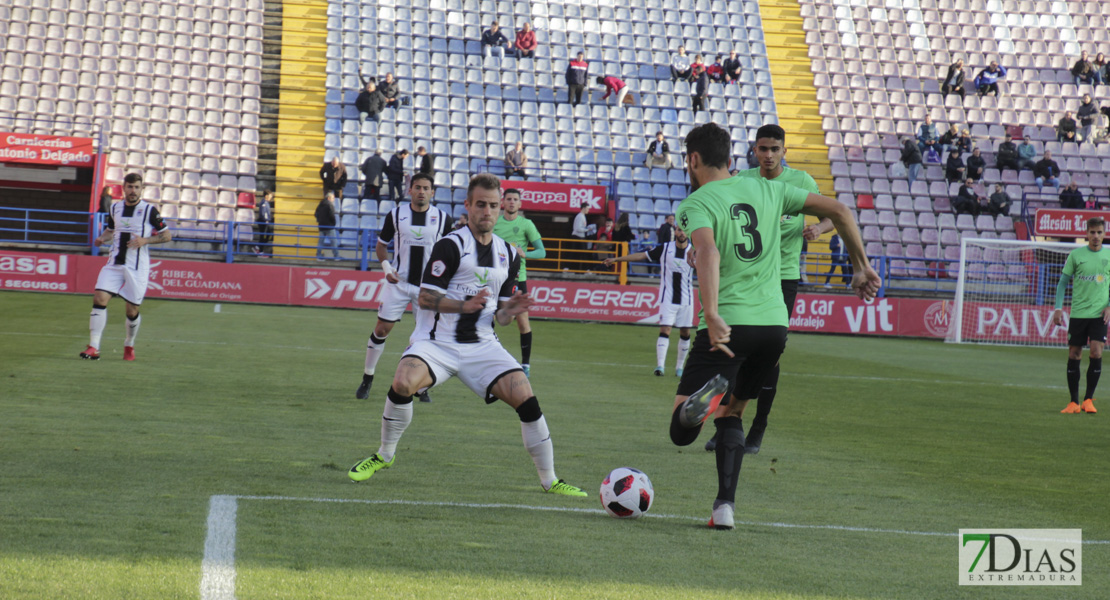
(439,302)
(159,238)
(105,237)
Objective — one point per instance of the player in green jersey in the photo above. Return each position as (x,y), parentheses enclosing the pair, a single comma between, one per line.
(1088,270)
(770,149)
(521,232)
(734,225)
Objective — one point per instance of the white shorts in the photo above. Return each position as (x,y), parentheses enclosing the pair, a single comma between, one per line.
(478,366)
(125,282)
(676,315)
(395,297)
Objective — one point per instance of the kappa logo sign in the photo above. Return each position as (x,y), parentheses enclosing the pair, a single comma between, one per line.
(316,288)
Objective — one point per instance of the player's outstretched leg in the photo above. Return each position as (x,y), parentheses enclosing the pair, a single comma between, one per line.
(395,419)
(730,456)
(534,432)
(1073,387)
(762,408)
(689,414)
(98,318)
(1094,371)
(374,348)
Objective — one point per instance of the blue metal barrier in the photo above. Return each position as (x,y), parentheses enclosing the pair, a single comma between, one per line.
(37,226)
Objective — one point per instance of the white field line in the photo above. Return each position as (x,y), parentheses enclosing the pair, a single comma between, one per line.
(218,566)
(357,350)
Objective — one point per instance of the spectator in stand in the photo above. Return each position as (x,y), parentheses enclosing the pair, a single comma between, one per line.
(460,222)
(427,162)
(716,71)
(604,246)
(911,157)
(106,197)
(494,39)
(370,102)
(325,224)
(613,86)
(697,68)
(954,169)
(264,224)
(1071,197)
(948,140)
(372,170)
(1006,156)
(395,173)
(1100,65)
(999,202)
(1088,112)
(515,161)
(680,65)
(1046,171)
(526,42)
(580,231)
(1083,71)
(623,232)
(391,92)
(665,233)
(986,82)
(334,176)
(733,67)
(1066,129)
(964,143)
(701,91)
(1026,153)
(577,79)
(954,80)
(967,201)
(975,165)
(658,153)
(1091,204)
(927,136)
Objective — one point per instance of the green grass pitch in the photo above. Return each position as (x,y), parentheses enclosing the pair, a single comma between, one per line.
(879,450)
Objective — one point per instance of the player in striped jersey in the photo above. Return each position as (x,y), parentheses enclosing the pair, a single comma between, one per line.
(521,232)
(676,296)
(455,337)
(413,228)
(132,225)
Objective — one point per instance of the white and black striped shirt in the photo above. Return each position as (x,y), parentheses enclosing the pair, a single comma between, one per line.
(676,281)
(140,220)
(413,234)
(460,267)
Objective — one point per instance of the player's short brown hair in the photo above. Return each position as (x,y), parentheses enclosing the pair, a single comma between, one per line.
(1094,222)
(486,181)
(133,178)
(511,191)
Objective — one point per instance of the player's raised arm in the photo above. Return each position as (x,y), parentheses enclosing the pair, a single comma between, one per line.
(865,280)
(634,257)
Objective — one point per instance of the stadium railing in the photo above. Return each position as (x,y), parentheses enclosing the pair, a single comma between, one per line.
(37,226)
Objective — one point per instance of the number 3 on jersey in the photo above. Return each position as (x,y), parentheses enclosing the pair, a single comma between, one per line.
(751,245)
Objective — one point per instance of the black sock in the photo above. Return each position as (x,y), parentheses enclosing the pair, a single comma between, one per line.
(730,455)
(765,399)
(1094,370)
(367,378)
(1073,380)
(526,348)
(682,436)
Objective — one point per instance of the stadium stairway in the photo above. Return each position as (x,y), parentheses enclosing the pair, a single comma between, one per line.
(300,136)
(795,95)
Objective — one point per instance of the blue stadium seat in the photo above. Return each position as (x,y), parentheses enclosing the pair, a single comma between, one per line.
(645,206)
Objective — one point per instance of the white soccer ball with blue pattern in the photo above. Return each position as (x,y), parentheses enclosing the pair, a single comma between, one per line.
(626,493)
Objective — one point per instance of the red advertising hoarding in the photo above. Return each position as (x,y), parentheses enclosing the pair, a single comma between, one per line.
(38,272)
(342,288)
(558,197)
(46,150)
(1060,222)
(194,280)
(912,317)
(1011,323)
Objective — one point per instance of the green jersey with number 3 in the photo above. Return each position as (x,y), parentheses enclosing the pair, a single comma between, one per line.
(520,232)
(792,226)
(1090,281)
(744,214)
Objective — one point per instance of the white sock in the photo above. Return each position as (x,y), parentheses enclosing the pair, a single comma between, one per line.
(373,355)
(97,320)
(132,330)
(537,440)
(661,345)
(395,419)
(683,349)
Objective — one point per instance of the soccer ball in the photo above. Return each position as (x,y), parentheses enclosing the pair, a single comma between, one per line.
(626,493)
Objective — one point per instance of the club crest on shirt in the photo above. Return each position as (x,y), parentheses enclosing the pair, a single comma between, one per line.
(503,258)
(483,276)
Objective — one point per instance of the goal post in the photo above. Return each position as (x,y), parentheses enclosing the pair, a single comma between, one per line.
(1005,293)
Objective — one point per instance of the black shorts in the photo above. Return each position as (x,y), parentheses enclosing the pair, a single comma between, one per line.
(522,287)
(757,348)
(789,294)
(1081,330)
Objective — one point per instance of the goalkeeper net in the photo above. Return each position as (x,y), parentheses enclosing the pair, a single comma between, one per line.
(1005,293)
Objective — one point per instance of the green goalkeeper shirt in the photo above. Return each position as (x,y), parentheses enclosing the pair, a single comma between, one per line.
(1090,281)
(792,226)
(744,214)
(520,232)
